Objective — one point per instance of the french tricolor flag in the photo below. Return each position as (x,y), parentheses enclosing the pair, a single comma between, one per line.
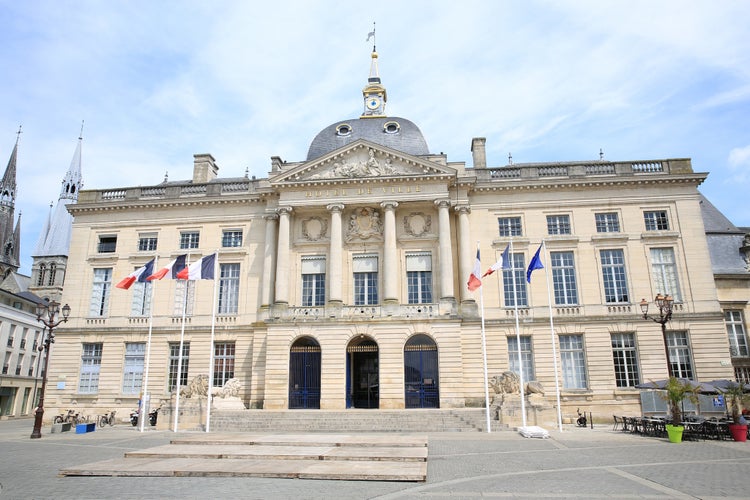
(201,269)
(140,274)
(171,269)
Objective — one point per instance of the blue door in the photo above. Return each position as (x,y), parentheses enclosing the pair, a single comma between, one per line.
(304,374)
(421,382)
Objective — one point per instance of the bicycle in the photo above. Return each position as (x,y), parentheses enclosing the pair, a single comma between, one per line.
(70,417)
(107,418)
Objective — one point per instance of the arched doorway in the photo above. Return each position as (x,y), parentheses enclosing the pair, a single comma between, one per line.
(421,375)
(304,374)
(362,374)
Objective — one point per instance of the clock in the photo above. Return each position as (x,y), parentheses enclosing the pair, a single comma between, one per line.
(373,103)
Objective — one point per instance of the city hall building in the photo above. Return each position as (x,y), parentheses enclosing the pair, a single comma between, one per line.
(342,279)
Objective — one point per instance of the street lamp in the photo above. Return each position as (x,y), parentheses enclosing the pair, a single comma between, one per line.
(47,314)
(664,303)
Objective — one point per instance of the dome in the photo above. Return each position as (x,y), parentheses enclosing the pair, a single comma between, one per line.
(392,132)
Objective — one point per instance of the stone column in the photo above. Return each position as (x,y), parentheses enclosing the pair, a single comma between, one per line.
(390,255)
(282,257)
(446,253)
(465,254)
(334,271)
(269,260)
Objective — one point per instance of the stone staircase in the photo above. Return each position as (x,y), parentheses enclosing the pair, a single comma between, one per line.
(353,420)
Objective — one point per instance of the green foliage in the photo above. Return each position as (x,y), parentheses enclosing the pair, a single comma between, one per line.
(735,396)
(676,392)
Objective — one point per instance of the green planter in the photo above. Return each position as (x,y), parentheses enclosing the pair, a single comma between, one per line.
(675,433)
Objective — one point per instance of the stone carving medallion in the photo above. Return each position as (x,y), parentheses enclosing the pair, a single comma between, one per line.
(364,224)
(417,224)
(314,228)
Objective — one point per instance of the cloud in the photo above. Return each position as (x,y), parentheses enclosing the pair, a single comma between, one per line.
(739,158)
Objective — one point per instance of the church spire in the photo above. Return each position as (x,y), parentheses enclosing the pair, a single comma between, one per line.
(9,244)
(374,92)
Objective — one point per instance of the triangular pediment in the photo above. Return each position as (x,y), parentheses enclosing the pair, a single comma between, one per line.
(361,160)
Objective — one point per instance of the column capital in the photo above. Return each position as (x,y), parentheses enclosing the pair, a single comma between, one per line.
(273,216)
(443,203)
(462,209)
(335,207)
(284,210)
(389,205)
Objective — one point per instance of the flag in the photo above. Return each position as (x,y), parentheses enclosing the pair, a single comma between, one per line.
(201,269)
(502,263)
(370,35)
(139,275)
(172,269)
(474,280)
(536,263)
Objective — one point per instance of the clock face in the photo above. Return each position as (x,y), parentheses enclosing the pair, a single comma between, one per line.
(373,102)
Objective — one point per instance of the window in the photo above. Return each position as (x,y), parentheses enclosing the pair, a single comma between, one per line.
(419,277)
(147,242)
(107,244)
(132,376)
(51,275)
(365,279)
(141,304)
(223,363)
(229,288)
(626,360)
(100,292)
(564,278)
(12,335)
(736,332)
(174,359)
(91,361)
(40,277)
(231,238)
(613,274)
(558,224)
(607,222)
(184,297)
(527,357)
(510,226)
(517,273)
(679,355)
(664,270)
(656,220)
(313,280)
(573,364)
(189,240)
(19,364)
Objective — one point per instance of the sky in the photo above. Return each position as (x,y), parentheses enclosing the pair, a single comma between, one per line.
(156,82)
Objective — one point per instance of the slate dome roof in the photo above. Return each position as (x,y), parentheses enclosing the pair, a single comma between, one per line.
(390,131)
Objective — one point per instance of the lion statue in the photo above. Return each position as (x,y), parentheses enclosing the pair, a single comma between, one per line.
(507,383)
(231,389)
(197,388)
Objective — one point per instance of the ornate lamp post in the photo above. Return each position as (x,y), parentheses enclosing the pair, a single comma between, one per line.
(664,303)
(47,314)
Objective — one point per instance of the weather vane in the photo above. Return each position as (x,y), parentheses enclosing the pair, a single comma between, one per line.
(372,35)
(18,134)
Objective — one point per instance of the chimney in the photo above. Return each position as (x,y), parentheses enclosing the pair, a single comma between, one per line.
(204,168)
(478,154)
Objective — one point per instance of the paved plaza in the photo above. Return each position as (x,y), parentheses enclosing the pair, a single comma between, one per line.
(577,463)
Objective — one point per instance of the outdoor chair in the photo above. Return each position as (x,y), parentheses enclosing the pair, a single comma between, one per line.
(617,424)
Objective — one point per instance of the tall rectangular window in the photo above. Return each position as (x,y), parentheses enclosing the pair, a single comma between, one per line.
(100,291)
(736,332)
(613,275)
(573,361)
(419,277)
(231,238)
(184,297)
(365,279)
(223,363)
(607,222)
(626,360)
(229,288)
(174,362)
(656,220)
(141,303)
(132,376)
(189,240)
(510,226)
(679,354)
(107,244)
(564,278)
(313,281)
(91,362)
(527,357)
(147,242)
(558,224)
(664,270)
(519,271)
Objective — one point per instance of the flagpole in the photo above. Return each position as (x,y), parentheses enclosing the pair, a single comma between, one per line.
(148,345)
(518,337)
(484,360)
(211,355)
(554,348)
(182,342)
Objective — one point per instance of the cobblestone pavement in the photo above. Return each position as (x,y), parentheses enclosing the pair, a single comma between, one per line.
(577,463)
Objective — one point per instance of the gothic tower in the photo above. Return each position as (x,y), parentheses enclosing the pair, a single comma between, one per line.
(9,229)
